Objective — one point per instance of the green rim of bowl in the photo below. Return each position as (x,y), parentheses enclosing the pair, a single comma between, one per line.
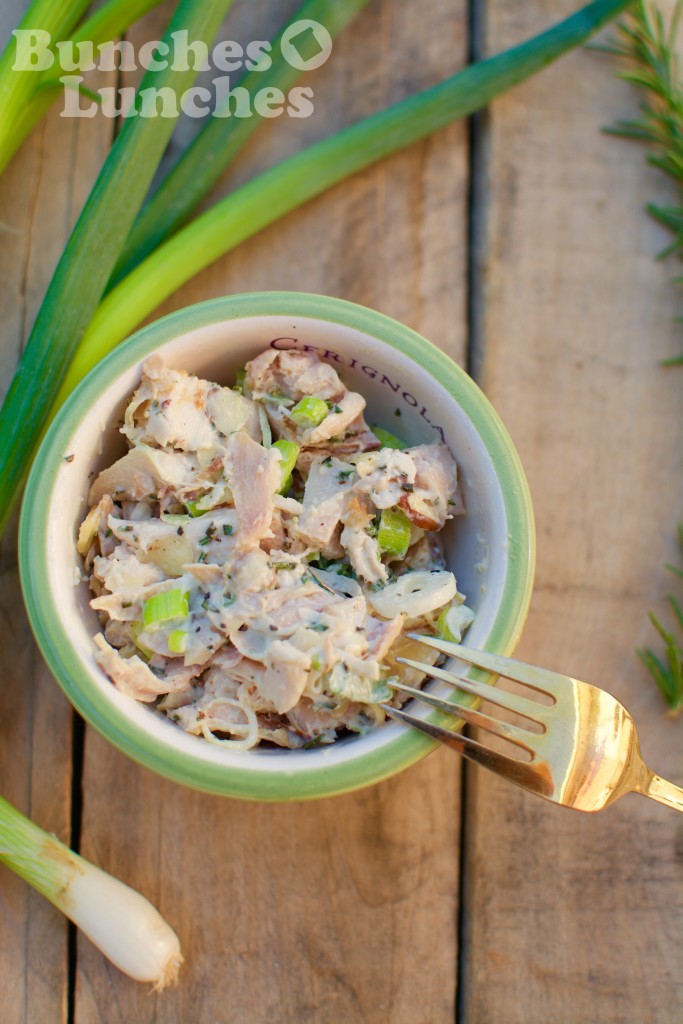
(53,639)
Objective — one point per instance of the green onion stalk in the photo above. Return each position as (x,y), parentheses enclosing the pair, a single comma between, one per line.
(315,169)
(120,922)
(89,257)
(221,138)
(106,24)
(240,216)
(58,17)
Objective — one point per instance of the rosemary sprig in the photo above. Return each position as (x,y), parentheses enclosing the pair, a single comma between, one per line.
(668,672)
(649,47)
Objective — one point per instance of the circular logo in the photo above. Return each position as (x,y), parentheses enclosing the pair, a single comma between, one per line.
(306,44)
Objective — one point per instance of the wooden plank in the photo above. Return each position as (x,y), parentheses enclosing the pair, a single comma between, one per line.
(40,195)
(568,917)
(342,910)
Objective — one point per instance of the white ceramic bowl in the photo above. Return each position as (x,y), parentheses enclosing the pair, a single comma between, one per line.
(412,389)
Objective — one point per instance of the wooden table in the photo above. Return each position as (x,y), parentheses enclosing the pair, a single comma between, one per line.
(521,248)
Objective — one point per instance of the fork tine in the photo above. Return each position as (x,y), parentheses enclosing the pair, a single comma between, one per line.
(554,684)
(510,701)
(506,731)
(520,772)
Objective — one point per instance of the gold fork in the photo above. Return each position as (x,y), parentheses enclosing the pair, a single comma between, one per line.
(587,755)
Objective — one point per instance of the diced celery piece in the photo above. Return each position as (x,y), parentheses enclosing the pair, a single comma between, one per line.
(453,621)
(177,641)
(171,604)
(239,380)
(289,453)
(309,412)
(387,439)
(393,534)
(171,517)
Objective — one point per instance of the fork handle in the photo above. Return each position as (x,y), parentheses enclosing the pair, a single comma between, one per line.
(659,789)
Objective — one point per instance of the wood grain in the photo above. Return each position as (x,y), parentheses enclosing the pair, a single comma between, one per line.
(340,911)
(41,194)
(573,918)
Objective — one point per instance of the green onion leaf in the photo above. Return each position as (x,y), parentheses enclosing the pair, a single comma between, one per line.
(170,604)
(309,412)
(58,17)
(393,534)
(89,257)
(289,453)
(283,188)
(220,139)
(105,24)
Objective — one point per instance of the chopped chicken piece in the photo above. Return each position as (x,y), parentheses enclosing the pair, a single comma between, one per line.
(130,675)
(173,409)
(254,476)
(327,485)
(143,472)
(436,480)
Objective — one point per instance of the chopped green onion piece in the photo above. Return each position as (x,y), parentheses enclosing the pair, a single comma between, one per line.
(177,641)
(387,439)
(171,604)
(394,532)
(309,412)
(453,621)
(193,508)
(289,453)
(239,380)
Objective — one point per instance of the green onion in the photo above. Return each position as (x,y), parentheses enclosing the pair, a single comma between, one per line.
(388,440)
(309,412)
(393,535)
(289,452)
(453,621)
(170,604)
(177,641)
(89,258)
(194,509)
(239,216)
(121,923)
(105,24)
(220,140)
(283,188)
(57,17)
